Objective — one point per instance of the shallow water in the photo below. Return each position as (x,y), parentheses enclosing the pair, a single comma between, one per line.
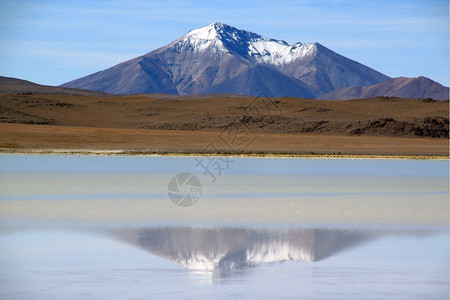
(102,227)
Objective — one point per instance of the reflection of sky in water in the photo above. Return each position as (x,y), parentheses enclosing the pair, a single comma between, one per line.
(260,191)
(93,225)
(376,167)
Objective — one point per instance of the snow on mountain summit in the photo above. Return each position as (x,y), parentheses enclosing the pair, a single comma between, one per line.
(203,38)
(222,38)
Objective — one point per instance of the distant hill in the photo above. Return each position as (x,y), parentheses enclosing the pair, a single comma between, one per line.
(403,87)
(10,85)
(219,58)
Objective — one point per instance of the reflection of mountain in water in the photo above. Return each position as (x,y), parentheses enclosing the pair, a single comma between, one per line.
(227,248)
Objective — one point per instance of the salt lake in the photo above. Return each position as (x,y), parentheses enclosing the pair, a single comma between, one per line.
(222,227)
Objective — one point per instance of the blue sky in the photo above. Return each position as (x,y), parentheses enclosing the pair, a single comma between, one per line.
(55,41)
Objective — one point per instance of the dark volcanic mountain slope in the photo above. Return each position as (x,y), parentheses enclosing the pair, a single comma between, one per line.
(420,87)
(216,57)
(139,75)
(327,71)
(262,79)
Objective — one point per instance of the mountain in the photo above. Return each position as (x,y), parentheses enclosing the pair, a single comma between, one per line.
(403,87)
(224,59)
(10,85)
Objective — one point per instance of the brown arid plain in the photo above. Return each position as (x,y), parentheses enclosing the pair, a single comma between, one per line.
(226,124)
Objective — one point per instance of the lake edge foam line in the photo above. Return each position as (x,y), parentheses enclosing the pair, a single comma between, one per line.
(112,152)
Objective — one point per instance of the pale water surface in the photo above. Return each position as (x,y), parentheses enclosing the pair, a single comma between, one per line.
(104,227)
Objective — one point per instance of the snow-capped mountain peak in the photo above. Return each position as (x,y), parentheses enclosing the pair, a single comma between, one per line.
(223,32)
(201,39)
(222,38)
(207,33)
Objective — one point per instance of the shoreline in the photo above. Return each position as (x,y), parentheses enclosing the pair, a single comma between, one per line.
(115,152)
